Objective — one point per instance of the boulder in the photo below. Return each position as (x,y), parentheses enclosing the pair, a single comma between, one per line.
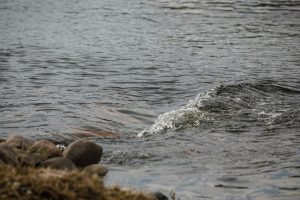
(83,153)
(8,155)
(19,142)
(97,169)
(45,149)
(59,163)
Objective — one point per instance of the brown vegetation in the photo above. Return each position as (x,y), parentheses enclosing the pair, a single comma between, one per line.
(43,183)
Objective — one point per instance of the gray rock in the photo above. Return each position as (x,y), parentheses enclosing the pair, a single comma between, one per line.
(45,149)
(97,169)
(59,163)
(83,153)
(19,142)
(8,155)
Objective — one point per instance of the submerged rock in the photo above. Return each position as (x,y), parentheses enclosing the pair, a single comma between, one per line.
(97,169)
(83,153)
(97,133)
(8,154)
(45,149)
(19,142)
(59,163)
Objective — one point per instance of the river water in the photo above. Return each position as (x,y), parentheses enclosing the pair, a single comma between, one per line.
(204,93)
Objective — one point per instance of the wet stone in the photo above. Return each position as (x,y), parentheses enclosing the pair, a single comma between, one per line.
(156,196)
(45,149)
(97,169)
(59,163)
(19,142)
(83,153)
(160,196)
(8,155)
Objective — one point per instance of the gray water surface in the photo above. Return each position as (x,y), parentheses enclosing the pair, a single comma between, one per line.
(211,88)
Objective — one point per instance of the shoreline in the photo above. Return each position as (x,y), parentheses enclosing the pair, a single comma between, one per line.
(40,170)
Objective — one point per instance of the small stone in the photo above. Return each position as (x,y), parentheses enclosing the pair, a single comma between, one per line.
(156,196)
(59,163)
(45,149)
(83,153)
(97,169)
(19,142)
(160,196)
(7,154)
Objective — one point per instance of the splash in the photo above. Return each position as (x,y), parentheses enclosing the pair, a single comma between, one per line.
(223,105)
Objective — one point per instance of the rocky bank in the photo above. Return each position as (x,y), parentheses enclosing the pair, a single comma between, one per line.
(40,170)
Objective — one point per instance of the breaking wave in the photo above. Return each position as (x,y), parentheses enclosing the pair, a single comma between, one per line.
(233,107)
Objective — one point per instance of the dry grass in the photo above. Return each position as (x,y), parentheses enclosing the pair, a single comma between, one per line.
(27,183)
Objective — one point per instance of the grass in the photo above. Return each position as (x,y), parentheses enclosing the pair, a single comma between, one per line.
(27,183)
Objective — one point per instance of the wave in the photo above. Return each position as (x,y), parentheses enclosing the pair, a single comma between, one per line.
(235,106)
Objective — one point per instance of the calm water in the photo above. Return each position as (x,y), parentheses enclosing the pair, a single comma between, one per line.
(205,93)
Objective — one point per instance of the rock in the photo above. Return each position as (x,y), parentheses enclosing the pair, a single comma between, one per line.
(45,149)
(97,169)
(19,142)
(8,155)
(160,196)
(94,132)
(2,140)
(28,159)
(156,196)
(83,153)
(59,163)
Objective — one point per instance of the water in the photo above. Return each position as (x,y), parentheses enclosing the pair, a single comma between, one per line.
(211,88)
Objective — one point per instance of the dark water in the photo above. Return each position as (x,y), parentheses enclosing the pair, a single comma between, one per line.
(212,89)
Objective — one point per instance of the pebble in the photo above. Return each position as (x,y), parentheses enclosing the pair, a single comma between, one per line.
(83,153)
